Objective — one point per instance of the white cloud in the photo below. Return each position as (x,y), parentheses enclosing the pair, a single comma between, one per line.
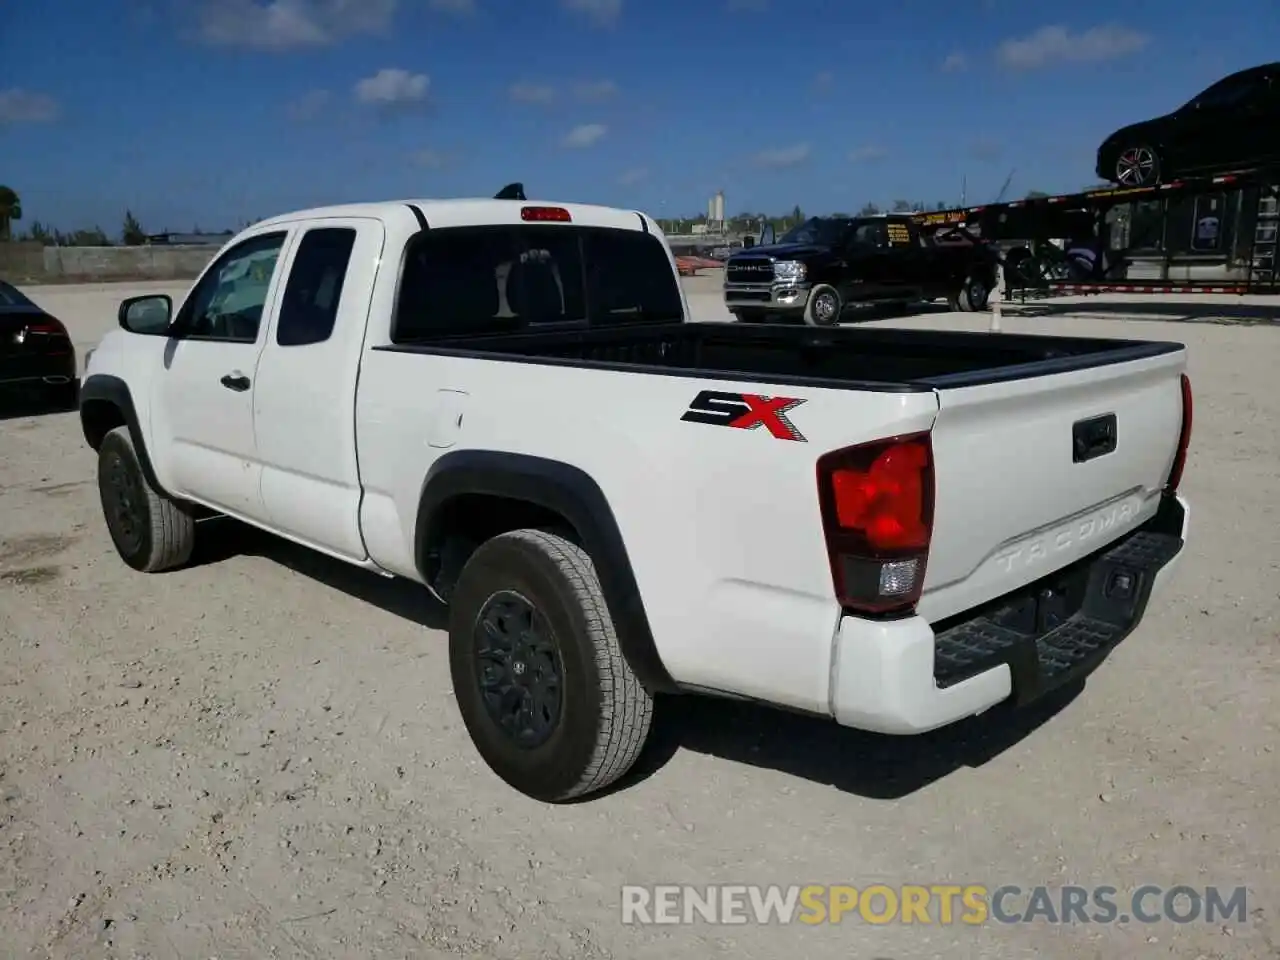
(601,12)
(392,85)
(1056,44)
(27,106)
(630,178)
(586,135)
(954,62)
(458,8)
(290,24)
(309,105)
(593,91)
(524,92)
(870,151)
(781,157)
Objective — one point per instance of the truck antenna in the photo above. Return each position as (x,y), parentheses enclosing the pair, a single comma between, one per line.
(512,191)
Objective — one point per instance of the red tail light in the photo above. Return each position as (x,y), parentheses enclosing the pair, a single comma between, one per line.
(877,516)
(1184,439)
(47,328)
(545,214)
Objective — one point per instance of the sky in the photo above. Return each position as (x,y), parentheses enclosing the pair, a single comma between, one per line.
(210,113)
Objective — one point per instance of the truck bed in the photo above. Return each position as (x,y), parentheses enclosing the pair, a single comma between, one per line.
(864,358)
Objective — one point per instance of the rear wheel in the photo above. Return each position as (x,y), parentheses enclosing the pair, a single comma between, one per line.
(1138,166)
(824,307)
(543,688)
(973,295)
(150,532)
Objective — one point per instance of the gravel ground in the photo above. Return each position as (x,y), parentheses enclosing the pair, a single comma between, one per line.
(259,756)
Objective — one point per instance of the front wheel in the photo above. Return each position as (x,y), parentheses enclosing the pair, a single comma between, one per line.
(824,307)
(150,532)
(1138,166)
(545,693)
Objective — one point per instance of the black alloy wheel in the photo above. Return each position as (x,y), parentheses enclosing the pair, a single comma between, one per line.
(1138,167)
(518,668)
(124,503)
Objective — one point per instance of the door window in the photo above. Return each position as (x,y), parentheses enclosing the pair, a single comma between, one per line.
(868,236)
(1232,92)
(229,300)
(309,306)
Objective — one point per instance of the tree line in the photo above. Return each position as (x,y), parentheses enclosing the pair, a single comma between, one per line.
(752,222)
(130,234)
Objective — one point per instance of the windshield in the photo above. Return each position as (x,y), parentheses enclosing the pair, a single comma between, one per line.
(816,230)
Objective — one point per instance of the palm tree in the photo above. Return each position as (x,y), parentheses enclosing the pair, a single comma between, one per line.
(10,209)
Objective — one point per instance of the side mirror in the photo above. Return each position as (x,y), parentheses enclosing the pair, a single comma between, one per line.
(149,315)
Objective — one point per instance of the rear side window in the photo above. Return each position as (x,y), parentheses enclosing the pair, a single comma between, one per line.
(11,297)
(469,280)
(311,297)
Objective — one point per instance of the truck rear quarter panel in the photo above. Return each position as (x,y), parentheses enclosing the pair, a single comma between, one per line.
(721,524)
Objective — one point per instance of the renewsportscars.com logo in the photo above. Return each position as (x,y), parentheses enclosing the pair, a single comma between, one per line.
(940,904)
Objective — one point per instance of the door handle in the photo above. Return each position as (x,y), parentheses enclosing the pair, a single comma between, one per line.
(1093,438)
(237,382)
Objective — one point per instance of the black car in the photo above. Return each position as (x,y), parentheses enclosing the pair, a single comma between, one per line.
(1233,125)
(35,351)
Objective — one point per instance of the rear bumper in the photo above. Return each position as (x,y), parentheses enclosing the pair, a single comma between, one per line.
(905,676)
(39,371)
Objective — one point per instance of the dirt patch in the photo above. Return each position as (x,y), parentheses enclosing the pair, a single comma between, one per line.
(19,550)
(31,576)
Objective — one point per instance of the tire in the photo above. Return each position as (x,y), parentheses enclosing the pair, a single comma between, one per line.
(595,718)
(824,307)
(151,532)
(1137,166)
(1019,267)
(973,296)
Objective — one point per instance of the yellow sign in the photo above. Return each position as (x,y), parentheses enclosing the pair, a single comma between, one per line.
(946,216)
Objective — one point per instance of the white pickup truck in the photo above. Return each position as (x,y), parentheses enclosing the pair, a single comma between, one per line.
(507,402)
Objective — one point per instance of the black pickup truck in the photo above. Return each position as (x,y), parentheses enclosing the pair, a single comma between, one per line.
(825,264)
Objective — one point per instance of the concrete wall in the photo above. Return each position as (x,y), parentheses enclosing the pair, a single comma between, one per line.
(32,263)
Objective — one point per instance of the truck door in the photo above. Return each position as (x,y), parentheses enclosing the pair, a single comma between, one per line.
(304,411)
(869,273)
(202,398)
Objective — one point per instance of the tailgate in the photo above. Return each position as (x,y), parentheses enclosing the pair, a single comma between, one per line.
(1023,483)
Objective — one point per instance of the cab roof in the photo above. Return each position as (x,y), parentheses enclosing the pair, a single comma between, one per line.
(503,208)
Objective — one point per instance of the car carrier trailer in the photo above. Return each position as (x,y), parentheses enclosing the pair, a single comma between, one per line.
(1031,264)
